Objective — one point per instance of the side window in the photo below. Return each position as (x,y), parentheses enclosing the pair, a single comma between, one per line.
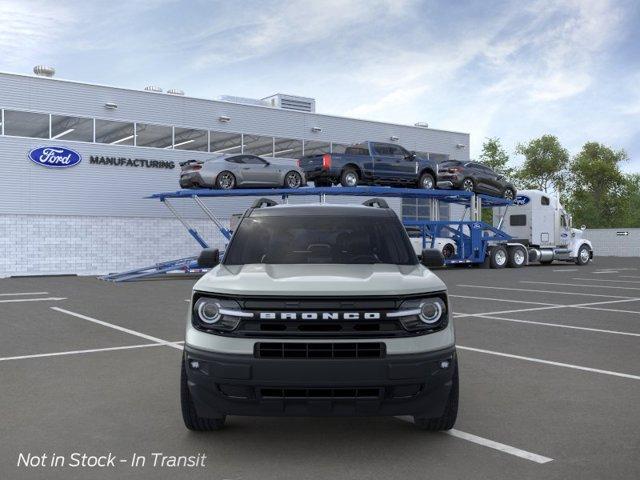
(563,221)
(381,149)
(518,220)
(253,160)
(544,201)
(396,151)
(238,159)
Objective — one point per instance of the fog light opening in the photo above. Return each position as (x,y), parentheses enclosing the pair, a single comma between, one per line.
(194,364)
(444,364)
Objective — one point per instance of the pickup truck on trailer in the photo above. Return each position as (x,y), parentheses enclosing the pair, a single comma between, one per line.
(319,310)
(371,163)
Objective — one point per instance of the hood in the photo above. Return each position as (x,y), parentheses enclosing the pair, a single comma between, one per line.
(320,280)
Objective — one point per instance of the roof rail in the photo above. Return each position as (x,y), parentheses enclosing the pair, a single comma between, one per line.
(266,202)
(376,202)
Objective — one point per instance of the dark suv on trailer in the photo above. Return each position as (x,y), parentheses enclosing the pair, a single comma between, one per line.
(474,177)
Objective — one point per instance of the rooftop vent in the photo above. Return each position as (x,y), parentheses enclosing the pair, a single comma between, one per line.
(153,88)
(291,102)
(244,100)
(44,71)
(422,124)
(175,91)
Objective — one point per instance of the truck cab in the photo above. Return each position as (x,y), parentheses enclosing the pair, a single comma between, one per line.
(539,221)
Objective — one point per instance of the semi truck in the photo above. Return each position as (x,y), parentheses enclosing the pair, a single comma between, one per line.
(539,222)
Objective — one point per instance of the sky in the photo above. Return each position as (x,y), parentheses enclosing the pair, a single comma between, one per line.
(509,69)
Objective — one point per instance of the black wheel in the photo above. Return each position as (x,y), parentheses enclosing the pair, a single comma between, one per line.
(427,182)
(448,418)
(584,255)
(468,185)
(498,257)
(191,419)
(226,180)
(448,251)
(508,193)
(517,257)
(292,179)
(349,177)
(322,183)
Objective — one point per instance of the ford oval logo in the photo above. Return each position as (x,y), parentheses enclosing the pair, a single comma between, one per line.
(55,157)
(521,200)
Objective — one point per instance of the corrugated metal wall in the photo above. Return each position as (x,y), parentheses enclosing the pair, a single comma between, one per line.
(103,190)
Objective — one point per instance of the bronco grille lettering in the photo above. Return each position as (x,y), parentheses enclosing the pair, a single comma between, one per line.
(319,315)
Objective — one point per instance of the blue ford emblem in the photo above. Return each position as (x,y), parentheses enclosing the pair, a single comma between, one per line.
(55,157)
(521,200)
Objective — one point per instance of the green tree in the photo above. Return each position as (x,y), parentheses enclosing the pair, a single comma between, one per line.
(599,193)
(495,157)
(545,164)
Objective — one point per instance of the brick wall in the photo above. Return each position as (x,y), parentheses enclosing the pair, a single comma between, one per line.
(613,241)
(49,245)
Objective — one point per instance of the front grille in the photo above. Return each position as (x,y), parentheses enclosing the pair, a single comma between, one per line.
(320,350)
(322,393)
(310,328)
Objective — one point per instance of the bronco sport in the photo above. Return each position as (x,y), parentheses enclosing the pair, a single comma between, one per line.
(319,310)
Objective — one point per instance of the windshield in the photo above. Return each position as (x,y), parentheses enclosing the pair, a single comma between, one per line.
(320,239)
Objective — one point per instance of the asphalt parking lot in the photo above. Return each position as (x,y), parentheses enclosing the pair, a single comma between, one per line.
(549,374)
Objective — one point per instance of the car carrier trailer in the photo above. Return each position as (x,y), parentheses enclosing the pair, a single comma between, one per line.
(476,242)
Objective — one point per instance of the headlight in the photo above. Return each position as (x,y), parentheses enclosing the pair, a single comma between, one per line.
(208,310)
(422,314)
(217,314)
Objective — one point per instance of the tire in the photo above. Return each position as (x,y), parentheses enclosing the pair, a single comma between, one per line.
(584,255)
(508,193)
(426,182)
(448,251)
(349,177)
(498,257)
(225,180)
(546,262)
(468,185)
(517,257)
(448,418)
(189,415)
(292,180)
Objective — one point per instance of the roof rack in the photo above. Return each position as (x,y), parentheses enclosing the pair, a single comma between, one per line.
(266,202)
(376,202)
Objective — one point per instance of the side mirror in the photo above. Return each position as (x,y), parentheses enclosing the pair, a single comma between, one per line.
(209,258)
(583,227)
(432,257)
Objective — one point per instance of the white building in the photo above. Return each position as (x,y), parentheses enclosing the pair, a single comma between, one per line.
(93,218)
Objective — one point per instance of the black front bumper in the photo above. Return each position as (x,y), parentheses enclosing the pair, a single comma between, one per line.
(225,384)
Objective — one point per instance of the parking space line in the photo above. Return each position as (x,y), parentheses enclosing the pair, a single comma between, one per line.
(549,362)
(528,290)
(566,270)
(485,442)
(20,300)
(23,293)
(579,285)
(605,280)
(502,300)
(118,327)
(79,352)
(559,325)
(552,307)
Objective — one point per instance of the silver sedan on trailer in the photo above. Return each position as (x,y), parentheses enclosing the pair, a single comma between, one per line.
(235,171)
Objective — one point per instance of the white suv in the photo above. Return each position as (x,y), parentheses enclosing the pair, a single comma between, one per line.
(319,310)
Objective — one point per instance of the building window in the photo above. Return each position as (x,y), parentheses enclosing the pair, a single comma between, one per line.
(287,148)
(258,145)
(157,136)
(26,124)
(71,128)
(226,143)
(338,147)
(312,147)
(190,139)
(115,133)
